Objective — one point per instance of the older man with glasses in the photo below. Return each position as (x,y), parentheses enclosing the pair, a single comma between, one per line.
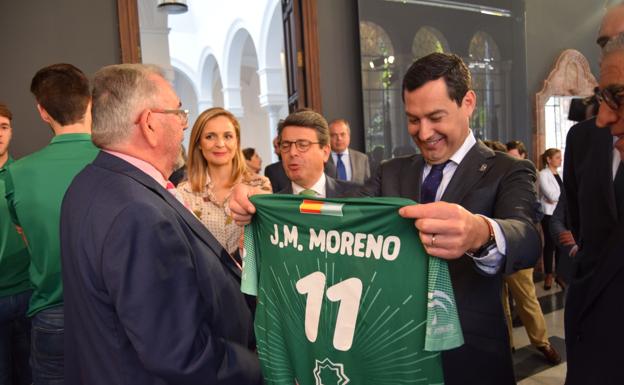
(594,184)
(151,296)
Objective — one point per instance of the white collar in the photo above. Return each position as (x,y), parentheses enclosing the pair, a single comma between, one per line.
(318,187)
(345,152)
(461,152)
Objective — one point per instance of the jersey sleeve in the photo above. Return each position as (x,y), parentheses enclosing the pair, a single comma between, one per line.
(443,327)
(249,279)
(10,195)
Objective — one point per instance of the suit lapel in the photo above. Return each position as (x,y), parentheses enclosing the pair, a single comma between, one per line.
(611,262)
(355,165)
(330,187)
(330,167)
(196,226)
(474,165)
(410,183)
(604,173)
(287,190)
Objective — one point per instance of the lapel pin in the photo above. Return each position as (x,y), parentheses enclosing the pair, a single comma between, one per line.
(483,167)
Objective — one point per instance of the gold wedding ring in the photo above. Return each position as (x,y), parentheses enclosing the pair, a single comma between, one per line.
(432,240)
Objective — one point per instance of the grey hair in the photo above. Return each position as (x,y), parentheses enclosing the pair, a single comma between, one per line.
(616,43)
(120,92)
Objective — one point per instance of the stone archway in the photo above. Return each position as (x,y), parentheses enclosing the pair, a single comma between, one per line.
(241,90)
(185,88)
(210,82)
(272,74)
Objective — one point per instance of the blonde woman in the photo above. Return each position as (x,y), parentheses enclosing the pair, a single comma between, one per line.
(215,165)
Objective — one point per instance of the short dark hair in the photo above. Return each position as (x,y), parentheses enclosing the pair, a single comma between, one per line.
(517,145)
(437,65)
(249,152)
(307,118)
(4,111)
(63,91)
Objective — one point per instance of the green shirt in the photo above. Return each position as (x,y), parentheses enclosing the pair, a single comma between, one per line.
(346,293)
(14,259)
(35,186)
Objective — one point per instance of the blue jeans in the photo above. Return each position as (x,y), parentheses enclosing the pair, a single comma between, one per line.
(47,348)
(14,340)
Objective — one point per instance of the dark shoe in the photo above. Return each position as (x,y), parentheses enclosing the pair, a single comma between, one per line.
(550,354)
(548,281)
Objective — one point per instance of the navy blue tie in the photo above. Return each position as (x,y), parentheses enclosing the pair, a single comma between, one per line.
(340,168)
(431,183)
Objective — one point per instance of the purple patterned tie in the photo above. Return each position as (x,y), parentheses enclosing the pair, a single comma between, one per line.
(431,183)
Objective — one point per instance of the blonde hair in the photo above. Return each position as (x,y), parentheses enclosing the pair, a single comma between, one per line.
(548,154)
(197,164)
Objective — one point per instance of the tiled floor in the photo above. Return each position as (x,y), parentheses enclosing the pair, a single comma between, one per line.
(527,359)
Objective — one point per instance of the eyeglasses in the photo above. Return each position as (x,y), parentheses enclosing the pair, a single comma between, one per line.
(602,41)
(302,145)
(182,114)
(612,95)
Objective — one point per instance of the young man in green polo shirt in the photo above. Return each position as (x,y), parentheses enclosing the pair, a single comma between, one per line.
(14,283)
(35,186)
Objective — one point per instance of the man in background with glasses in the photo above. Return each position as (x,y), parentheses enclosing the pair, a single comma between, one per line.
(35,186)
(303,142)
(592,324)
(151,296)
(595,180)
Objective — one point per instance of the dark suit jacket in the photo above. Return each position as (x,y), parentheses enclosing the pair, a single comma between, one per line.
(333,188)
(595,352)
(588,183)
(276,174)
(593,320)
(150,296)
(360,168)
(560,222)
(502,188)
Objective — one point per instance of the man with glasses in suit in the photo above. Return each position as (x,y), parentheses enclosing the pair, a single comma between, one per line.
(151,296)
(303,142)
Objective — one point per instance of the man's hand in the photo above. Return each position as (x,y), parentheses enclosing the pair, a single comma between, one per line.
(447,230)
(240,207)
(566,238)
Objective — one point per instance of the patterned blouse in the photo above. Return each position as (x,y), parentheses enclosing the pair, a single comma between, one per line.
(213,214)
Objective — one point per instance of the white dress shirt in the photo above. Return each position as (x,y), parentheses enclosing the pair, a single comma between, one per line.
(318,187)
(346,160)
(616,158)
(490,263)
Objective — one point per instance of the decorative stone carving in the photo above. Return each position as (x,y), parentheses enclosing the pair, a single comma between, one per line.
(571,76)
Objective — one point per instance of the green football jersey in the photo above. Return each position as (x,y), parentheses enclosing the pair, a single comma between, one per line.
(346,293)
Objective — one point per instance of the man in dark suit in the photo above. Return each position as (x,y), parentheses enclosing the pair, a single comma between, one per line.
(481,216)
(594,183)
(275,171)
(303,142)
(346,163)
(150,296)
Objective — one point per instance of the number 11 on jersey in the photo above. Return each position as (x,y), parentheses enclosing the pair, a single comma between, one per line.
(347,292)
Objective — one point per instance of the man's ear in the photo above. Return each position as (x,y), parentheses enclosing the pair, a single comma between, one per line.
(146,128)
(44,114)
(326,153)
(469,102)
